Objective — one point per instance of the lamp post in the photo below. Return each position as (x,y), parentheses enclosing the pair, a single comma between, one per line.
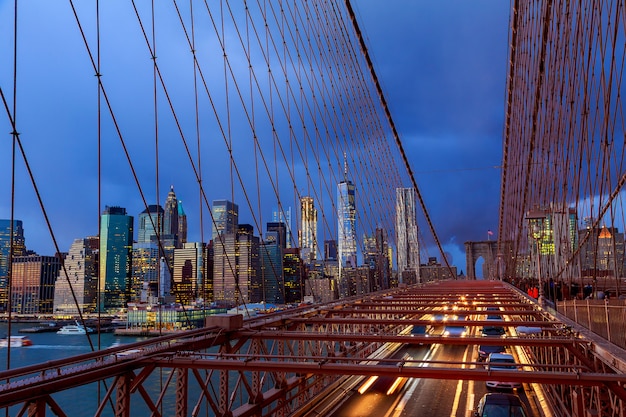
(537,232)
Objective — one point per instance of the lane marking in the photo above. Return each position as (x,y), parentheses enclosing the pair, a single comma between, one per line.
(396,409)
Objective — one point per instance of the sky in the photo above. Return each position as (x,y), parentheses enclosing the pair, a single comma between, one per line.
(442,66)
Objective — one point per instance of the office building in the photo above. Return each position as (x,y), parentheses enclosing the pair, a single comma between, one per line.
(225,217)
(602,252)
(307,236)
(150,221)
(145,273)
(270,255)
(116,243)
(407,242)
(81,281)
(236,268)
(33,278)
(188,273)
(19,248)
(280,216)
(292,276)
(170,217)
(182,224)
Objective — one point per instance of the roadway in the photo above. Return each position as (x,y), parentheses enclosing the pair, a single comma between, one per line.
(425,396)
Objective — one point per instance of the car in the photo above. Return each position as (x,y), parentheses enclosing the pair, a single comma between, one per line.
(502,362)
(495,404)
(455,331)
(493,331)
(421,330)
(485,350)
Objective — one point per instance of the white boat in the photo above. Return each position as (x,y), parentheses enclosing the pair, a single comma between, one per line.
(75,329)
(15,341)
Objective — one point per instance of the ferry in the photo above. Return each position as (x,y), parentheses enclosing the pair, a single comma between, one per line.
(15,341)
(75,329)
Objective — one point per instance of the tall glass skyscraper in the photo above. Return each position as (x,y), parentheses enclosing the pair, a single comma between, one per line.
(150,220)
(307,237)
(19,249)
(116,244)
(225,217)
(408,254)
(346,216)
(182,224)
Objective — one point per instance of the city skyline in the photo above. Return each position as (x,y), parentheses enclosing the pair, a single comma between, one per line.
(445,139)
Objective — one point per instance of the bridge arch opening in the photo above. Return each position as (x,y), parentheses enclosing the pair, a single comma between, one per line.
(481,256)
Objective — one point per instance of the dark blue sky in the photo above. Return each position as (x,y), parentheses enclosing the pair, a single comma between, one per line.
(442,66)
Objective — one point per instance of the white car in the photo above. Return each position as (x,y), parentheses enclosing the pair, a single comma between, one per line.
(502,362)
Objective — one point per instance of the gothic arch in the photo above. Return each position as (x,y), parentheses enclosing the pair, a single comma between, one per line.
(486,249)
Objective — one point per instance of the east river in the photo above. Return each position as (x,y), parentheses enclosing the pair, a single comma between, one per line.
(49,346)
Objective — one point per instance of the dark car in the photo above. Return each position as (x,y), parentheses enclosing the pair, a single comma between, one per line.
(421,331)
(485,350)
(493,331)
(495,404)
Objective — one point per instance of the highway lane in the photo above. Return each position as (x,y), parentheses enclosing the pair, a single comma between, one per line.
(425,397)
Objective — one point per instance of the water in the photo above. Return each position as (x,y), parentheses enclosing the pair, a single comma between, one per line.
(50,346)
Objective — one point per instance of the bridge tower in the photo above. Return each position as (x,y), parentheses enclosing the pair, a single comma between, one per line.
(488,251)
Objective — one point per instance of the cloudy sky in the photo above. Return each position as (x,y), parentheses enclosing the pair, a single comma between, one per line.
(442,66)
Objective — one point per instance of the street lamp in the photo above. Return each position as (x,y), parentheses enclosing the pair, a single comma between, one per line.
(537,234)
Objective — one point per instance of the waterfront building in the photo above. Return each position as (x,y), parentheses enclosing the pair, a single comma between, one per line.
(236,267)
(407,243)
(116,243)
(32,279)
(225,218)
(150,221)
(19,248)
(307,236)
(80,285)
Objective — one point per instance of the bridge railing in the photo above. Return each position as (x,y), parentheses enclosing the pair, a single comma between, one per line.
(606,318)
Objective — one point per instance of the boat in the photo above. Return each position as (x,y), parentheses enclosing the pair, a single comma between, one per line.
(15,341)
(75,329)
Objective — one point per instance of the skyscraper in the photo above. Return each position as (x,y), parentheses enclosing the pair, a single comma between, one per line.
(225,217)
(19,249)
(116,243)
(188,272)
(280,216)
(346,216)
(408,255)
(236,267)
(270,255)
(170,217)
(279,234)
(150,220)
(81,264)
(182,224)
(307,238)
